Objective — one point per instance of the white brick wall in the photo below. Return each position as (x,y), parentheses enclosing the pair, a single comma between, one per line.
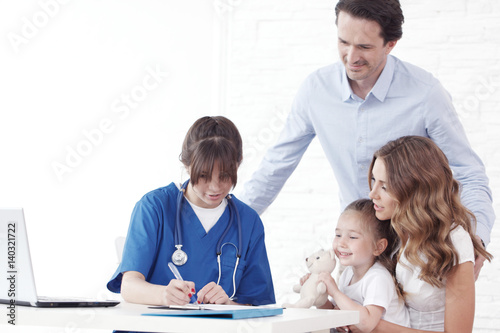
(273,45)
(65,79)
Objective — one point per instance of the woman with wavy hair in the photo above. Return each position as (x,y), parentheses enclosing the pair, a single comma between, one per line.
(412,185)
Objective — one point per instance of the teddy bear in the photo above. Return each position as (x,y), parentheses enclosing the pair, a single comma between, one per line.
(312,292)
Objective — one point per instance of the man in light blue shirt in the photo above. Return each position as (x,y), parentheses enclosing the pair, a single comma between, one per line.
(357,105)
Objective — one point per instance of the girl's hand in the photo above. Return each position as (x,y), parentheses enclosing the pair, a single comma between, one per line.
(178,292)
(331,285)
(212,294)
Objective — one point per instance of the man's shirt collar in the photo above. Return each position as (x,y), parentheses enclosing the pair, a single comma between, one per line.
(380,88)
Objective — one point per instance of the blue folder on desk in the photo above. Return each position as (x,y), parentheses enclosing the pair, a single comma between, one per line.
(217,311)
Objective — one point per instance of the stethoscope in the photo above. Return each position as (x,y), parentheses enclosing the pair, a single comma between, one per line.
(179,257)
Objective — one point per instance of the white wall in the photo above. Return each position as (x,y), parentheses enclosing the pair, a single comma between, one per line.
(275,44)
(73,71)
(96,99)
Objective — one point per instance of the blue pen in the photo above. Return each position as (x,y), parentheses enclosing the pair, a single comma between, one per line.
(178,276)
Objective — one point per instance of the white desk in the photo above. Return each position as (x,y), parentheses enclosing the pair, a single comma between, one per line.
(126,316)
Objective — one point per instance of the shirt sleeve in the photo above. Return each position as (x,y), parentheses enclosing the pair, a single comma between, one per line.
(446,130)
(281,159)
(140,246)
(463,244)
(378,290)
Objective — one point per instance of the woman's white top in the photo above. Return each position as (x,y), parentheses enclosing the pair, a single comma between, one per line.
(209,216)
(376,288)
(426,303)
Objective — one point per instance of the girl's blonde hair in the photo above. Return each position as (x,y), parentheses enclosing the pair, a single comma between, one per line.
(428,205)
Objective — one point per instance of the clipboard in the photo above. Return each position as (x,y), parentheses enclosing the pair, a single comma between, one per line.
(216,311)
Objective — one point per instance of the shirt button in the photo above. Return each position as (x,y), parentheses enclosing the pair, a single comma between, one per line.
(360,139)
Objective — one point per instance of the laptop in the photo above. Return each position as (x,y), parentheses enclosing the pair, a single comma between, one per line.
(17,282)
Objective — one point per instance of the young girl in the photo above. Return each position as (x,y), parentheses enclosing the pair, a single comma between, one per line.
(363,244)
(413,186)
(215,240)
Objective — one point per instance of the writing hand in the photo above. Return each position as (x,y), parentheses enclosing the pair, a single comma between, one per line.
(178,292)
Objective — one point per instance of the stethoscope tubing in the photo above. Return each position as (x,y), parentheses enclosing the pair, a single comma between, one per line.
(232,211)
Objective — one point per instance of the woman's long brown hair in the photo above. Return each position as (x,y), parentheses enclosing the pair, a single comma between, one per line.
(428,206)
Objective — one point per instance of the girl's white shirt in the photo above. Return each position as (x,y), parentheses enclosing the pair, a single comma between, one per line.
(426,303)
(376,287)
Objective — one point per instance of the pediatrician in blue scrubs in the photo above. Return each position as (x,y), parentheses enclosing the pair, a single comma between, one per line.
(215,241)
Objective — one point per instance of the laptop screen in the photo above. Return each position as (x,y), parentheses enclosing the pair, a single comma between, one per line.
(17,282)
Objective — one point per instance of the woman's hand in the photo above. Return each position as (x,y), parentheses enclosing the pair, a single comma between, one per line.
(135,289)
(212,294)
(178,292)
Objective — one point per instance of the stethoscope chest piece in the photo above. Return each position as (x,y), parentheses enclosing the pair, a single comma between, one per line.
(179,257)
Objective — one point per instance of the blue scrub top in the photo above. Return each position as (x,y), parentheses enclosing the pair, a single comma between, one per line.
(150,244)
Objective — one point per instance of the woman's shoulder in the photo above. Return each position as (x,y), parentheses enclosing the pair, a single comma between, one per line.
(161,193)
(459,232)
(462,242)
(378,269)
(158,199)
